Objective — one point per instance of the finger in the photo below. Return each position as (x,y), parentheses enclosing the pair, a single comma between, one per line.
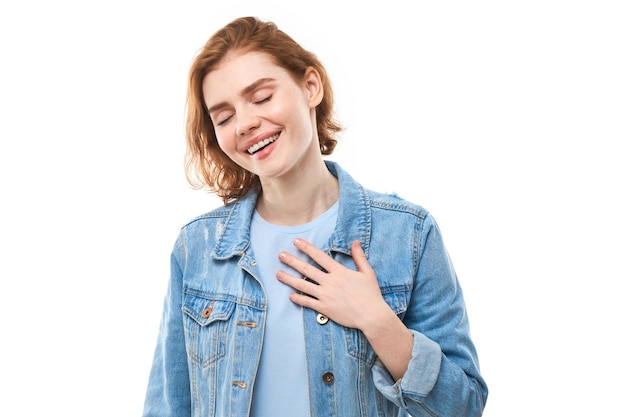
(304,300)
(303,267)
(304,286)
(317,255)
(359,257)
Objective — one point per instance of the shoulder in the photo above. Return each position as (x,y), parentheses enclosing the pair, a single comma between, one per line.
(392,203)
(356,196)
(217,213)
(398,215)
(209,220)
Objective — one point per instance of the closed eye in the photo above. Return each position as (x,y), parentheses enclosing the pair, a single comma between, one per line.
(224,121)
(265,100)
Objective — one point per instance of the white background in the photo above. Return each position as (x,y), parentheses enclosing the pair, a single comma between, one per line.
(505,119)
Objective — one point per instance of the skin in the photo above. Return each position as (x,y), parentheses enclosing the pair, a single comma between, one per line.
(250,99)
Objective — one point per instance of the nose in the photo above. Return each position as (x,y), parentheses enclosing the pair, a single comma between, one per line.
(246,122)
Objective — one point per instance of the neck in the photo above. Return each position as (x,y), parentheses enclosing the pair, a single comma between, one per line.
(299,198)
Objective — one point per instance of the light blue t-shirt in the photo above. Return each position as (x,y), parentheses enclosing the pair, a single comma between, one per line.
(281,387)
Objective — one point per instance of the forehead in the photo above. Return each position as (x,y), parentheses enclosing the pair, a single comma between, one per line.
(242,57)
(237,70)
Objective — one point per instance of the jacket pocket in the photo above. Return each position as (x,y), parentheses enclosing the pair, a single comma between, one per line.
(206,322)
(357,343)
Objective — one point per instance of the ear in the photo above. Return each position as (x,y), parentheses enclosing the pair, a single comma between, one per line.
(313,86)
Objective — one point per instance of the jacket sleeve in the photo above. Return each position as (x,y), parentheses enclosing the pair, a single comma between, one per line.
(168,393)
(443,377)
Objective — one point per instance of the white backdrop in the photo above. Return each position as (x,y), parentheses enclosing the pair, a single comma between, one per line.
(505,119)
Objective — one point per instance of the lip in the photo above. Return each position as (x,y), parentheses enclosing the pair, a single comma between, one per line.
(248,144)
(265,152)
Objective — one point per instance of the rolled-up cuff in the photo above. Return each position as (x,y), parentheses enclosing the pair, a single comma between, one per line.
(419,378)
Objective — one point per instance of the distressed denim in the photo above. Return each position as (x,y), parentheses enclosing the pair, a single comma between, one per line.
(211,333)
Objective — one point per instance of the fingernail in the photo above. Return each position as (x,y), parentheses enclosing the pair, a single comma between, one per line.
(297,242)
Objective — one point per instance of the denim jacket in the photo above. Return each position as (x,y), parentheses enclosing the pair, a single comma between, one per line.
(211,333)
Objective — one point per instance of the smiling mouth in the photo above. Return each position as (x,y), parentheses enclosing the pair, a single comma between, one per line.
(262,144)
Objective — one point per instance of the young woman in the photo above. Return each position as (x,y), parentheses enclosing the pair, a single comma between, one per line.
(305,294)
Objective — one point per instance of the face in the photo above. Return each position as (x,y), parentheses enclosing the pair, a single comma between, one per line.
(264,119)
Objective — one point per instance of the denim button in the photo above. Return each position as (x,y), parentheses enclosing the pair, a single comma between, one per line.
(207,312)
(322,319)
(253,263)
(328,378)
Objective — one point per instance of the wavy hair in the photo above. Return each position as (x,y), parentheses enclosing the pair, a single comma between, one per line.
(206,165)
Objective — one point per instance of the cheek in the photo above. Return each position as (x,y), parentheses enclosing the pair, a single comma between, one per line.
(297,114)
(226,144)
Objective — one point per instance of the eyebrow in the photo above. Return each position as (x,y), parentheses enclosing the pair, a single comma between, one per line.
(246,91)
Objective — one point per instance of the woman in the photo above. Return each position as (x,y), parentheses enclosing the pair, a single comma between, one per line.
(305,294)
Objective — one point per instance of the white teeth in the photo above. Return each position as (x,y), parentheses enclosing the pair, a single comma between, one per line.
(252,149)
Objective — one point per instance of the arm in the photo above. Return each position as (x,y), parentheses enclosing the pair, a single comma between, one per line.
(443,377)
(168,393)
(428,361)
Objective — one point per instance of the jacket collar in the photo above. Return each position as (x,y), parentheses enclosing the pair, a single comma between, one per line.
(353,219)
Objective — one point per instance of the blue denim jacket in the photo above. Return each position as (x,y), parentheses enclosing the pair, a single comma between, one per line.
(212,327)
